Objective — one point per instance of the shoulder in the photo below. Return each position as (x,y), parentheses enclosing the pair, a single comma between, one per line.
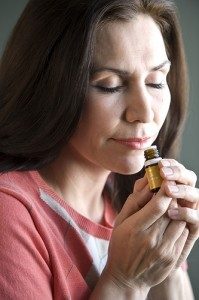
(17,198)
(19,186)
(17,194)
(19,214)
(24,256)
(16,180)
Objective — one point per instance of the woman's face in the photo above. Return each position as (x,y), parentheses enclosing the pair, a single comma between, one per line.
(128,97)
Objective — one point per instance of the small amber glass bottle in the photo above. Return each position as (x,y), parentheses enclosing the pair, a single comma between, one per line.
(152,169)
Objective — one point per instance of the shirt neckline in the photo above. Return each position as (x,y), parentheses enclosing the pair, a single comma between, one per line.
(101,230)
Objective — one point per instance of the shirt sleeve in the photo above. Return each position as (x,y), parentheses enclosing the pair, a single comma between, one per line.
(24,261)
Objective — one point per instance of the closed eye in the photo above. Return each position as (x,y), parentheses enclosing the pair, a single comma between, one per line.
(107,90)
(117,89)
(156,85)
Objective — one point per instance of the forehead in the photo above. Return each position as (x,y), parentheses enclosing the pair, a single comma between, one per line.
(130,43)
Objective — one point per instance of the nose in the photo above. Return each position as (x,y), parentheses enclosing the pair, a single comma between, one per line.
(139,105)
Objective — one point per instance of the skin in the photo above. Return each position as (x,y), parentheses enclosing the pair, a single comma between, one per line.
(136,110)
(151,244)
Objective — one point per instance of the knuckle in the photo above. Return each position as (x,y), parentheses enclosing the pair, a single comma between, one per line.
(137,183)
(160,207)
(179,169)
(197,194)
(184,213)
(161,253)
(130,197)
(181,166)
(176,164)
(194,177)
(197,231)
(150,244)
(168,260)
(183,190)
(166,183)
(136,187)
(173,161)
(186,231)
(164,256)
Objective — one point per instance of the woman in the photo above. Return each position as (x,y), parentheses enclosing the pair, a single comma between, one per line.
(85,88)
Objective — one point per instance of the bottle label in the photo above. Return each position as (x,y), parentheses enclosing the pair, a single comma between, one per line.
(152,161)
(153,176)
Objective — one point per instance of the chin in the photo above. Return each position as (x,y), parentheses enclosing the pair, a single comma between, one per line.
(130,171)
(129,167)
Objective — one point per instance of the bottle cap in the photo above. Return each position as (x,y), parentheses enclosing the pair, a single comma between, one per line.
(151,152)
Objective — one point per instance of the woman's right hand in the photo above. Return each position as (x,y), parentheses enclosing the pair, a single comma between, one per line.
(145,244)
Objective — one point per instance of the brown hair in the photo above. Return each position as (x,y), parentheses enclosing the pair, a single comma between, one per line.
(44,76)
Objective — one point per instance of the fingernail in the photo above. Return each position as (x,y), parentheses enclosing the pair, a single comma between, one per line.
(167,171)
(173,213)
(165,163)
(173,188)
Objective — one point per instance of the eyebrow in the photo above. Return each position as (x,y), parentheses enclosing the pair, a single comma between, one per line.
(126,73)
(161,65)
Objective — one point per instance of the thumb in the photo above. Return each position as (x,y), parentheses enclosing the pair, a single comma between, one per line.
(140,184)
(135,201)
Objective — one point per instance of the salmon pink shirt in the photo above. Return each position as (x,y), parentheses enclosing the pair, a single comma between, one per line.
(47,249)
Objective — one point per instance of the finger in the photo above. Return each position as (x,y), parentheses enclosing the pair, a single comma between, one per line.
(180,244)
(170,169)
(134,203)
(183,192)
(171,248)
(173,231)
(190,241)
(140,184)
(153,210)
(184,214)
(157,229)
(167,184)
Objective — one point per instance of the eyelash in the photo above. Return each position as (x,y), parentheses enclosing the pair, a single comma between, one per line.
(109,90)
(118,88)
(156,85)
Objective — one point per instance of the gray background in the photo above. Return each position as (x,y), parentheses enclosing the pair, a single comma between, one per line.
(189,18)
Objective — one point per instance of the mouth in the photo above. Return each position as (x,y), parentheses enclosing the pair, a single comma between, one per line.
(135,143)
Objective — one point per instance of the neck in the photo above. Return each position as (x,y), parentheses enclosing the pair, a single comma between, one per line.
(78,182)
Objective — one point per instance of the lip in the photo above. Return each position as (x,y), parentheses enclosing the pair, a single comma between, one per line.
(135,143)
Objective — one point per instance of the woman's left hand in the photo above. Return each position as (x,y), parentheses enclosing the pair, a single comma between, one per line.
(181,186)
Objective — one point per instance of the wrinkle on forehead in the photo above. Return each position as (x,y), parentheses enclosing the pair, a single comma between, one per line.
(130,44)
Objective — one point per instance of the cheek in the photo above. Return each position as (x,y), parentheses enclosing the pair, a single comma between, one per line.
(163,107)
(100,113)
(98,120)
